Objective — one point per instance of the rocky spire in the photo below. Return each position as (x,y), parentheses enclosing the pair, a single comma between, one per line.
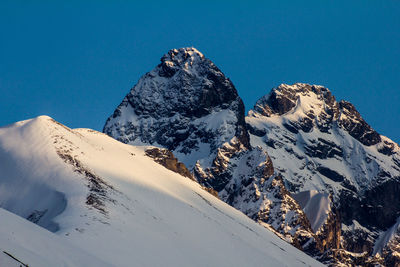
(185,104)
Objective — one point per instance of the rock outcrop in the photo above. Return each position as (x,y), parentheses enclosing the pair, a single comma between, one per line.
(168,160)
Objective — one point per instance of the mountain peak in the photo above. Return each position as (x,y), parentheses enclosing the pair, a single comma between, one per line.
(184,104)
(284,98)
(306,106)
(64,182)
(187,59)
(182,54)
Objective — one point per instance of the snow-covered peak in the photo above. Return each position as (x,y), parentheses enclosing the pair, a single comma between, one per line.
(306,119)
(188,60)
(286,97)
(323,146)
(182,57)
(302,107)
(185,104)
(34,122)
(104,200)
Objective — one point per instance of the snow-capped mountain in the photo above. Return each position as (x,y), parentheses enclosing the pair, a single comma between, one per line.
(187,105)
(313,170)
(106,203)
(321,145)
(308,168)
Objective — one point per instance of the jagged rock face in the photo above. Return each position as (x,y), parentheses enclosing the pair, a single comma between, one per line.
(251,187)
(330,232)
(354,124)
(391,251)
(387,246)
(185,104)
(188,106)
(317,143)
(168,160)
(285,98)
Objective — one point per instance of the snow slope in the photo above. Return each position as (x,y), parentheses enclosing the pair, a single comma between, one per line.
(107,199)
(316,206)
(35,246)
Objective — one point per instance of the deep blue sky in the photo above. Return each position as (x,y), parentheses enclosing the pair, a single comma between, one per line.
(75,62)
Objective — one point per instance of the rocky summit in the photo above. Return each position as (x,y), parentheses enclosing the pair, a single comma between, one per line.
(185,104)
(302,164)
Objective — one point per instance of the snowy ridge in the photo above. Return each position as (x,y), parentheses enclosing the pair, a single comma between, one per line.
(122,207)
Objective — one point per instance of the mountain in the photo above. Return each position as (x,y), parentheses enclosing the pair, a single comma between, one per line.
(319,144)
(89,200)
(185,104)
(188,106)
(301,164)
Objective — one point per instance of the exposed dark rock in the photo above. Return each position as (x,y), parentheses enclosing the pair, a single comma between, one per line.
(323,149)
(355,125)
(330,234)
(382,204)
(349,206)
(98,188)
(341,257)
(396,161)
(390,253)
(168,160)
(346,183)
(387,148)
(255,131)
(211,191)
(331,174)
(276,215)
(377,209)
(36,216)
(306,124)
(358,241)
(291,128)
(279,104)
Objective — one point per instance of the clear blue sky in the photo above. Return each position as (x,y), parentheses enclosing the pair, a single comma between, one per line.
(76,61)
